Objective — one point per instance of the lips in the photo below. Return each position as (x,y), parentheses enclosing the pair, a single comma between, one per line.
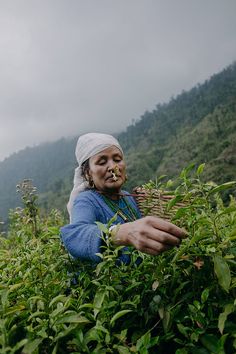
(111,178)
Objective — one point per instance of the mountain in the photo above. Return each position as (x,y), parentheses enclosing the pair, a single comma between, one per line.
(49,165)
(196,126)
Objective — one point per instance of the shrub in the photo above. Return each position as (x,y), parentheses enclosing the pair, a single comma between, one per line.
(182,301)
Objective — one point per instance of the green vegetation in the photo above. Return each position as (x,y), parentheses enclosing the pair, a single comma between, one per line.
(197,126)
(50,166)
(181,302)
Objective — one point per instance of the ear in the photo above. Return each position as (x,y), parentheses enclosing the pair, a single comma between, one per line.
(87,174)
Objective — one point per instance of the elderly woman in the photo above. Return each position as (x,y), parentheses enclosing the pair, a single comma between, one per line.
(97,196)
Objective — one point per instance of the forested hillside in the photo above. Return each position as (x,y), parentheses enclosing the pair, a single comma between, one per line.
(196,126)
(49,165)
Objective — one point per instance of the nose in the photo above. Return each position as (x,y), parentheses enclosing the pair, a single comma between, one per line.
(113,167)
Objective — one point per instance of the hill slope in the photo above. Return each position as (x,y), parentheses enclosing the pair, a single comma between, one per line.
(48,165)
(162,141)
(198,125)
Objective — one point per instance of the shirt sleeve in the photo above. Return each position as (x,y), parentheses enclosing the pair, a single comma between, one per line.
(82,238)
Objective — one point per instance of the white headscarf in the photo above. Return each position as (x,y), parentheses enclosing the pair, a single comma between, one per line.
(87,146)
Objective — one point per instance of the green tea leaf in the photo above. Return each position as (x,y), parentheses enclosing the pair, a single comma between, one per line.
(210,342)
(143,342)
(166,320)
(31,346)
(76,318)
(228,210)
(183,329)
(222,187)
(174,201)
(15,286)
(36,314)
(222,272)
(98,301)
(14,310)
(204,295)
(200,168)
(118,315)
(59,298)
(92,335)
(102,227)
(182,351)
(19,345)
(229,308)
(121,349)
(186,170)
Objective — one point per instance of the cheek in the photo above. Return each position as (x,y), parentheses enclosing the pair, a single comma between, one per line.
(123,166)
(100,172)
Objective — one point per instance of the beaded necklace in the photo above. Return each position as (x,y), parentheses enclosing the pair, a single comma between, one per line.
(127,213)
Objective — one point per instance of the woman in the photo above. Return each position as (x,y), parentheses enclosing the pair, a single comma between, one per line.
(97,196)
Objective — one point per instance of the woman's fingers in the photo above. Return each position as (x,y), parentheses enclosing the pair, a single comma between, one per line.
(164,225)
(150,235)
(156,252)
(152,239)
(163,237)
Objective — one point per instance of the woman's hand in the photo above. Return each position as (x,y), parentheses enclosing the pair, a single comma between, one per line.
(150,235)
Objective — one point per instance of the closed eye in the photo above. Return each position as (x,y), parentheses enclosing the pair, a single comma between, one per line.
(101,162)
(117,158)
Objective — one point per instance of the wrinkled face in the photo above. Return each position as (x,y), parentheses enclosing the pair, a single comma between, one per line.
(107,170)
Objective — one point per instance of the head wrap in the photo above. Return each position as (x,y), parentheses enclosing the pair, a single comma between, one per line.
(87,146)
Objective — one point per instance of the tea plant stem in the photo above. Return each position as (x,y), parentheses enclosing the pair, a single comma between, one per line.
(34,226)
(155,325)
(216,229)
(41,278)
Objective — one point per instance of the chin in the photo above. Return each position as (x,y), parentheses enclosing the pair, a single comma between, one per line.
(113,187)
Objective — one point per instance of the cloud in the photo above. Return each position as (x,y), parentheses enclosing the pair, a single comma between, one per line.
(70,67)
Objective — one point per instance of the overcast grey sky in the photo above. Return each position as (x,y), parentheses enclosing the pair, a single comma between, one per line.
(72,66)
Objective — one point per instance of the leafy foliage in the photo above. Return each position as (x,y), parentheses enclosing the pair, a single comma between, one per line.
(182,301)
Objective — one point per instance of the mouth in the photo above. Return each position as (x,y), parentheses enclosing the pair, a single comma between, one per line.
(113,177)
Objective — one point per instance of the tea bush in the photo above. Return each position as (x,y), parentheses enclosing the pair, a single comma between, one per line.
(183,301)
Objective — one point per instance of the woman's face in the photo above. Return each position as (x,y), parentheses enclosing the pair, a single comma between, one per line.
(107,170)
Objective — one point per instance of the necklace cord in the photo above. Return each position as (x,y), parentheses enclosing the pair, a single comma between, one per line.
(127,213)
